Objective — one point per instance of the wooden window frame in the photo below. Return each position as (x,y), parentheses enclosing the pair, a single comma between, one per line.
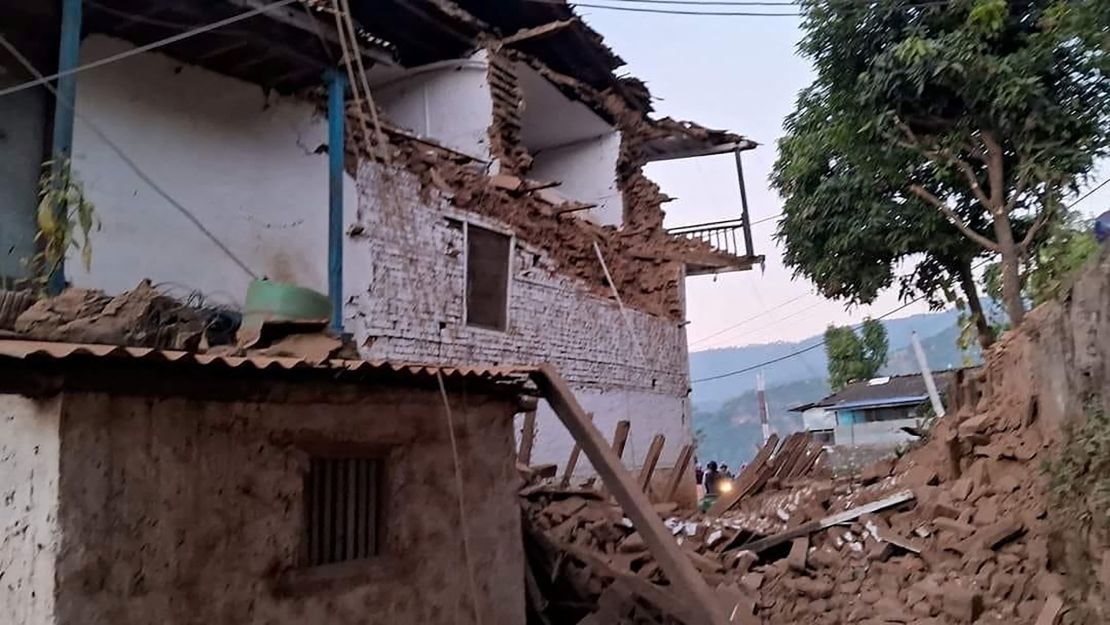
(466,276)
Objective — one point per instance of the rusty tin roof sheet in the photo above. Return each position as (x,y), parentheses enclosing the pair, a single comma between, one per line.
(46,350)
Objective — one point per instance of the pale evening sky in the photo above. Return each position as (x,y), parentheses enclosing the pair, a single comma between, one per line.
(740,74)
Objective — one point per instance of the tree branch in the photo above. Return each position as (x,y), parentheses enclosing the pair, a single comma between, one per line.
(1042,220)
(924,194)
(995,170)
(972,179)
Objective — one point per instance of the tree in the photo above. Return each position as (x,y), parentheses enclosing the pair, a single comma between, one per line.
(853,357)
(936,133)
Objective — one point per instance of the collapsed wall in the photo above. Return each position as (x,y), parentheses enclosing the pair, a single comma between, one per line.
(999,517)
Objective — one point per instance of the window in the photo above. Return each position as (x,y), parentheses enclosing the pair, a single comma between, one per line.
(487,278)
(342,497)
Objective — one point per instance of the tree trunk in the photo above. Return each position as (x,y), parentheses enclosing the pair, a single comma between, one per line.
(983,327)
(1011,269)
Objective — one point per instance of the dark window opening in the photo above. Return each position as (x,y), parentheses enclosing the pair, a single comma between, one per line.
(343,507)
(487,278)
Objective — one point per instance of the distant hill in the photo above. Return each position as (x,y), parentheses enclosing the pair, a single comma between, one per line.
(942,353)
(726,415)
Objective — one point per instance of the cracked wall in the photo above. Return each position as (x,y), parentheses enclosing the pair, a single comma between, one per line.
(28,509)
(252,168)
(185,511)
(409,305)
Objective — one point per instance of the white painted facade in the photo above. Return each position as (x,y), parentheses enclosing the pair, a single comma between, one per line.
(571,144)
(449,102)
(874,433)
(250,168)
(247,165)
(29,538)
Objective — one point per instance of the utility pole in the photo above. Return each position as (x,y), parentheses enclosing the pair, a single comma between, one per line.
(761,398)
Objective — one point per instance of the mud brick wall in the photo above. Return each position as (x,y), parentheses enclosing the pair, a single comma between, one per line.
(188,512)
(405,292)
(412,307)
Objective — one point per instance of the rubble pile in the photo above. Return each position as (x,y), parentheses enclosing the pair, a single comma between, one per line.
(141,317)
(956,531)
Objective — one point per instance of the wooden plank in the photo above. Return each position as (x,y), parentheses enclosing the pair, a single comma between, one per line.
(688,584)
(650,461)
(620,437)
(527,438)
(805,529)
(747,478)
(684,457)
(572,461)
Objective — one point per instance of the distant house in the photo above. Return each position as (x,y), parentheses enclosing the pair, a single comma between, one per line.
(871,413)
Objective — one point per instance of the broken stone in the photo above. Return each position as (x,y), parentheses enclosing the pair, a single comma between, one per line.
(1050,613)
(962,604)
(799,549)
(1001,532)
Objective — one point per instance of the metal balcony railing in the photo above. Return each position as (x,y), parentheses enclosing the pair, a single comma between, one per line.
(729,236)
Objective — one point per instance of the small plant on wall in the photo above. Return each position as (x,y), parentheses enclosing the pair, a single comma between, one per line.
(65,220)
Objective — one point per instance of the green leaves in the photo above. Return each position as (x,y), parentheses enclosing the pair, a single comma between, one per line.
(63,211)
(904,95)
(852,358)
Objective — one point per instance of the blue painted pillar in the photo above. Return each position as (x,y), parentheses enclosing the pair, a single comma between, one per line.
(69,49)
(337,87)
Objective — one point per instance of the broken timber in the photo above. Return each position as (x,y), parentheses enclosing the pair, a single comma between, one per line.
(650,461)
(685,579)
(572,462)
(806,529)
(679,472)
(748,479)
(527,438)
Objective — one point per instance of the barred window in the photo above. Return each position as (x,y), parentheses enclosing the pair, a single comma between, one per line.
(343,507)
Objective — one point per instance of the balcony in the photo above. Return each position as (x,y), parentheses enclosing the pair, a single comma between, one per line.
(729,241)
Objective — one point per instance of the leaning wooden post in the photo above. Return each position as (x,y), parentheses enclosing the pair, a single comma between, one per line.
(650,461)
(620,437)
(572,461)
(527,438)
(679,471)
(676,565)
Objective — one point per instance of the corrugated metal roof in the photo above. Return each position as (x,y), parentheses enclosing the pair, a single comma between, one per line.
(883,402)
(46,350)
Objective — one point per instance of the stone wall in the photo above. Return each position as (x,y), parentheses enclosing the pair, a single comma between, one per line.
(181,511)
(409,306)
(28,509)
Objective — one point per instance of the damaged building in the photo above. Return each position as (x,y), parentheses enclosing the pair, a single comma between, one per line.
(465,179)
(159,486)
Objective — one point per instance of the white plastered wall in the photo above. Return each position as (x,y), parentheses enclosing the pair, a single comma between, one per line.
(29,537)
(247,165)
(571,145)
(448,102)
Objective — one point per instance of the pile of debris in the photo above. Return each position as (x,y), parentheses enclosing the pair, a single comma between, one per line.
(954,532)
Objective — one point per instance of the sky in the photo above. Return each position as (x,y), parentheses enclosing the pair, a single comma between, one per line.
(741,74)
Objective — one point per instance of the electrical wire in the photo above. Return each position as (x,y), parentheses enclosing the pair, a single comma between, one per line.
(42,80)
(676,11)
(765,219)
(719,3)
(801,351)
(124,157)
(459,483)
(752,318)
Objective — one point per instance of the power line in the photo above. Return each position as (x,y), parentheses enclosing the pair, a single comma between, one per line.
(1090,193)
(726,3)
(42,80)
(752,318)
(670,11)
(123,156)
(766,219)
(802,350)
